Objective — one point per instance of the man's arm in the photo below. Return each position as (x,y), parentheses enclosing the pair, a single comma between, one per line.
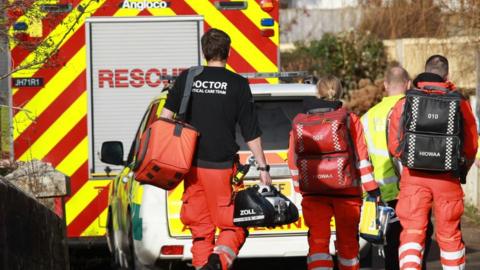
(255,146)
(247,119)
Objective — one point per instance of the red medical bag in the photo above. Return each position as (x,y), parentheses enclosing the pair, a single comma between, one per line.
(325,156)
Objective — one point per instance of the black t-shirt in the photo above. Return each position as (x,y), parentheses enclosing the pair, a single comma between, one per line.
(220,99)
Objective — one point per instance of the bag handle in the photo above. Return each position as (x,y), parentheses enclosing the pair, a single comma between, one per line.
(192,72)
(435,87)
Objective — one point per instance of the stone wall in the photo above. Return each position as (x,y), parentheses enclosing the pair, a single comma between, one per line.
(31,236)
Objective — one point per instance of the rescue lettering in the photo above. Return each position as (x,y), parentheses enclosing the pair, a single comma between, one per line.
(429,154)
(134,78)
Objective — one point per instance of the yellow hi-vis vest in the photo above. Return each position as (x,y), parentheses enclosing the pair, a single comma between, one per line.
(374,124)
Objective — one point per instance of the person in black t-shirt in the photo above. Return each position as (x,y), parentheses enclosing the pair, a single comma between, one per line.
(220,99)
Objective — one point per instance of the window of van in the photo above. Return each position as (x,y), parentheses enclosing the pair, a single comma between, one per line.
(275,117)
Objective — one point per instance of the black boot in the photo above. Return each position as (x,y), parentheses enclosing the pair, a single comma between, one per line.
(213,263)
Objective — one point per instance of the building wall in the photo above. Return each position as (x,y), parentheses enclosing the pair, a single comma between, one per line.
(310,24)
(460,51)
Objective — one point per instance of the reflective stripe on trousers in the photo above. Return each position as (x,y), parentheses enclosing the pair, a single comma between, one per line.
(227,251)
(318,257)
(320,261)
(410,255)
(348,262)
(455,259)
(460,267)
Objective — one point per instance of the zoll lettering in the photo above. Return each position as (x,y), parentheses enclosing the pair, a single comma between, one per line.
(429,154)
(143,5)
(134,78)
(245,212)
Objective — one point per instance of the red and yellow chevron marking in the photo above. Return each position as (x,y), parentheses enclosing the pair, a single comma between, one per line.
(52,122)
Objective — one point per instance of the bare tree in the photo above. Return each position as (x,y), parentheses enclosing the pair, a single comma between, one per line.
(42,49)
(425,18)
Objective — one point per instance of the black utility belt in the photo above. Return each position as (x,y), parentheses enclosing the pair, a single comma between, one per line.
(213,164)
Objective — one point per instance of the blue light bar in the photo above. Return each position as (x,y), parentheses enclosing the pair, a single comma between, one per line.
(267,22)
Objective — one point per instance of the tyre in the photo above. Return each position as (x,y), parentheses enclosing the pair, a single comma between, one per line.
(115,258)
(132,261)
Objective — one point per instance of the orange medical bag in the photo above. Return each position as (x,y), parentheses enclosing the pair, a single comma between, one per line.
(167,146)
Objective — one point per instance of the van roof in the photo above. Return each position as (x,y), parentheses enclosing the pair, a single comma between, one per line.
(287,89)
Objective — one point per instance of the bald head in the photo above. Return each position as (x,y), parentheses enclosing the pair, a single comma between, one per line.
(397,81)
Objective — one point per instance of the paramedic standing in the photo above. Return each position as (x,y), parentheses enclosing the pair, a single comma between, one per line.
(342,202)
(220,99)
(374,123)
(422,188)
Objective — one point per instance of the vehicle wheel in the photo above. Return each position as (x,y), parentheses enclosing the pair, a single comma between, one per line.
(115,262)
(133,263)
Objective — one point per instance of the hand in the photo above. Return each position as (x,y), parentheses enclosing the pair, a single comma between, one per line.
(375,193)
(265,178)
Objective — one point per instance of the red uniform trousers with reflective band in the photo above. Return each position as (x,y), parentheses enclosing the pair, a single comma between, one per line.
(207,205)
(318,211)
(416,198)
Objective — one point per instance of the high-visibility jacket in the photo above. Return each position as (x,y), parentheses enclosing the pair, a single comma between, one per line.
(374,124)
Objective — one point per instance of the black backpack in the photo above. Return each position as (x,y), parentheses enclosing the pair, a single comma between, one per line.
(432,125)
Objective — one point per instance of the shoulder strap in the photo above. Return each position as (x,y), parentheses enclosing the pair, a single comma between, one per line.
(192,73)
(350,140)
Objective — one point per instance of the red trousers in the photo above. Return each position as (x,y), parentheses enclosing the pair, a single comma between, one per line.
(207,205)
(318,211)
(415,201)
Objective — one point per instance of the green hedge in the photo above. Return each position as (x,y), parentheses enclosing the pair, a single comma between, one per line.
(351,56)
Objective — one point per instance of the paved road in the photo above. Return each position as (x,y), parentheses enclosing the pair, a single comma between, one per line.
(98,257)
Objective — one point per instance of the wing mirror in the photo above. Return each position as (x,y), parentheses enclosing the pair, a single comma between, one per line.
(112,153)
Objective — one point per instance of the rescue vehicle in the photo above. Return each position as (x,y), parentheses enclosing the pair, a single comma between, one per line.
(106,60)
(144,227)
(88,68)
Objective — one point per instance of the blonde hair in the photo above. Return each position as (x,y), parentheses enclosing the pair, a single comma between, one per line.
(329,88)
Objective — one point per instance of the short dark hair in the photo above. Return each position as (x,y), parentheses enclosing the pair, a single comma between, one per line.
(437,64)
(396,75)
(215,45)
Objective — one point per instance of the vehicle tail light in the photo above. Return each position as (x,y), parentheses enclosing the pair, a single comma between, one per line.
(268,32)
(266,5)
(172,250)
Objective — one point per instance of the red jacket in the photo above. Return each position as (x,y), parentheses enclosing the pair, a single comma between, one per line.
(364,166)
(470,136)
